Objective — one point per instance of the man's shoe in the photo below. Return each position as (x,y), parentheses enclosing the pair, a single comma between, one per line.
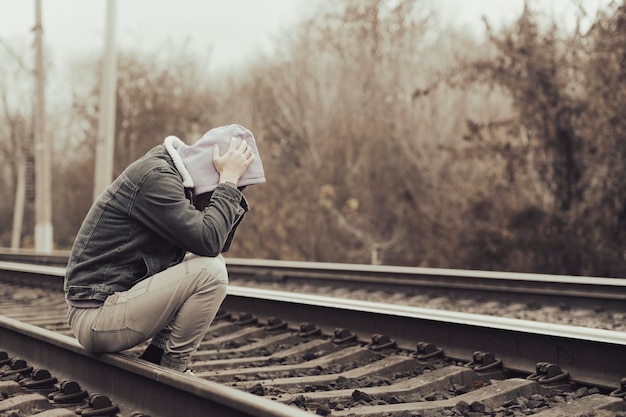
(152,354)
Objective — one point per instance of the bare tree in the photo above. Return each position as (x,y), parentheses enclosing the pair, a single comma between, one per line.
(15,146)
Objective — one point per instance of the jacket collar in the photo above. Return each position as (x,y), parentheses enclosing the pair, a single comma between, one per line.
(171,144)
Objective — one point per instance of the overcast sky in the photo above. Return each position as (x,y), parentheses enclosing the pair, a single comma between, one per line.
(229,29)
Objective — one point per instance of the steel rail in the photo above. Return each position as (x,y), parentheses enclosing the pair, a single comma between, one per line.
(126,380)
(612,290)
(591,356)
(31,256)
(473,280)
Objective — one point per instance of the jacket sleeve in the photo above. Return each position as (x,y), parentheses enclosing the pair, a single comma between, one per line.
(203,201)
(231,235)
(161,205)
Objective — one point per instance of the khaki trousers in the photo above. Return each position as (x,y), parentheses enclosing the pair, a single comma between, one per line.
(174,307)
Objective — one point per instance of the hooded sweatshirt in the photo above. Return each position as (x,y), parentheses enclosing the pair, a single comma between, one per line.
(197,159)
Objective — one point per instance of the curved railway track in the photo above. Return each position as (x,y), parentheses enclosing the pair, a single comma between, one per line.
(273,353)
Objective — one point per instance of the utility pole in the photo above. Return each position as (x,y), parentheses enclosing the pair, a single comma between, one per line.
(106,117)
(20,197)
(43,206)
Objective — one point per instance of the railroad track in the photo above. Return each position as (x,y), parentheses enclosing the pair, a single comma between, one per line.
(584,291)
(272,353)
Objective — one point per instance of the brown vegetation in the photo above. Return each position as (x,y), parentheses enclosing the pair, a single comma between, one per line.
(386,142)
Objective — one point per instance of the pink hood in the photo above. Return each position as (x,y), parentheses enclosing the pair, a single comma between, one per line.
(195,162)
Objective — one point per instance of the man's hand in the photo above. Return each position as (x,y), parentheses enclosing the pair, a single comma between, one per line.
(234,163)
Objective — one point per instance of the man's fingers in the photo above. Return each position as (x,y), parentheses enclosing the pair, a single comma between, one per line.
(244,145)
(244,149)
(233,144)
